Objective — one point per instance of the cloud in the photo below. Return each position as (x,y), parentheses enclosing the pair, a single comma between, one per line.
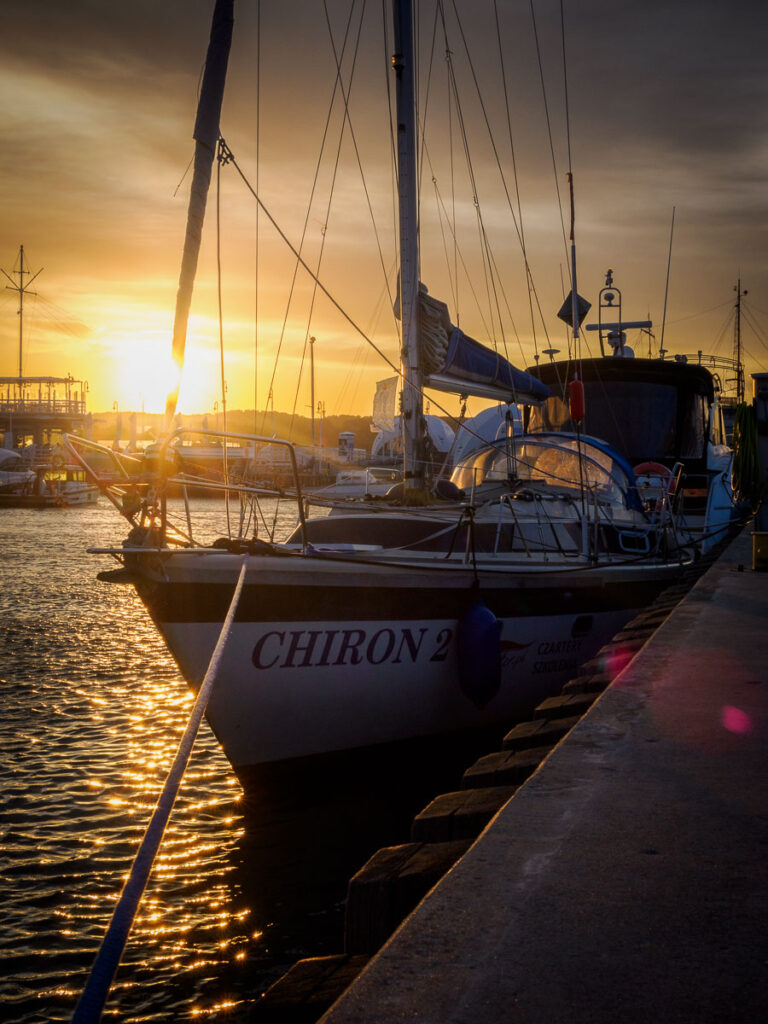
(668,105)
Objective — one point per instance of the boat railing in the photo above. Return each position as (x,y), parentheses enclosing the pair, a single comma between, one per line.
(589,513)
(226,466)
(506,501)
(43,407)
(227,485)
(639,539)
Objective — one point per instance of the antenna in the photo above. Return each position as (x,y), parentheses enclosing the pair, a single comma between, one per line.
(22,289)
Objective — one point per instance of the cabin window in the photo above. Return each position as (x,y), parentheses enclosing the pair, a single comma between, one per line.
(550,415)
(637,418)
(640,419)
(693,428)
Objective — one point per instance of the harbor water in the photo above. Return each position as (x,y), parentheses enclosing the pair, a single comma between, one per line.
(92,710)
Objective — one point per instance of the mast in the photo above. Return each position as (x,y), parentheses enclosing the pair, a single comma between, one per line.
(737,343)
(22,289)
(206,136)
(403,62)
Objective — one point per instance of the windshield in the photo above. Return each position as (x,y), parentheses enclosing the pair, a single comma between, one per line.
(547,467)
(642,420)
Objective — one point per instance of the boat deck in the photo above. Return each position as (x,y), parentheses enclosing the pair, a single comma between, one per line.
(626,880)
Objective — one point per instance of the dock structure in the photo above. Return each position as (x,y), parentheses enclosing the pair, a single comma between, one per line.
(39,410)
(626,878)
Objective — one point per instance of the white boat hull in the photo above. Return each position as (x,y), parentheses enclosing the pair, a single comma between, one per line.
(362,664)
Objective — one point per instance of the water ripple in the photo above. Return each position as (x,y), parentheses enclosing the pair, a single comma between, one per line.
(92,711)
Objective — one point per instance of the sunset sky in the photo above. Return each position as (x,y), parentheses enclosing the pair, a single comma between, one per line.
(668,108)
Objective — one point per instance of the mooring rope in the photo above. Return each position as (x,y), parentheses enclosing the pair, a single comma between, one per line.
(91,1003)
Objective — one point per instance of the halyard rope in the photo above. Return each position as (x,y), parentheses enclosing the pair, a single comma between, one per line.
(91,1003)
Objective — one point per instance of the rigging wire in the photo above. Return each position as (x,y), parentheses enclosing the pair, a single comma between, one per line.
(297,254)
(516,220)
(488,330)
(489,265)
(549,125)
(392,149)
(565,87)
(490,281)
(258,215)
(334,302)
(221,158)
(483,108)
(666,286)
(453,190)
(751,319)
(749,314)
(443,218)
(505,89)
(727,323)
(331,191)
(423,119)
(362,359)
(387,275)
(301,262)
(37,308)
(702,312)
(574,292)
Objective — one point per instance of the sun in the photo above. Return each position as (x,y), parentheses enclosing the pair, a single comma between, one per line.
(143,374)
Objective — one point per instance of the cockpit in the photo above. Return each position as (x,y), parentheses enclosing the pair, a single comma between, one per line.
(559,467)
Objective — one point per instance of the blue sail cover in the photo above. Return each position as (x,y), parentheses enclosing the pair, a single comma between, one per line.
(477,370)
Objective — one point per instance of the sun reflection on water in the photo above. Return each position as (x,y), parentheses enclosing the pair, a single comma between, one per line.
(93,708)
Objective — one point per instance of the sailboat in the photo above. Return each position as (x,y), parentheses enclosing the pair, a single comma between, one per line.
(454,603)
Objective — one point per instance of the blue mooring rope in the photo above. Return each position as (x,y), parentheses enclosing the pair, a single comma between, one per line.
(91,1003)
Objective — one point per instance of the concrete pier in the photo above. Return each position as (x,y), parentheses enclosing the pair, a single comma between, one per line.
(627,878)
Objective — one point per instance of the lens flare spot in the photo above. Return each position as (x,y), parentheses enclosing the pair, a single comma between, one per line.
(736,720)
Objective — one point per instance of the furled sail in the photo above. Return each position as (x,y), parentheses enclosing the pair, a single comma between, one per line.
(452,361)
(206,135)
